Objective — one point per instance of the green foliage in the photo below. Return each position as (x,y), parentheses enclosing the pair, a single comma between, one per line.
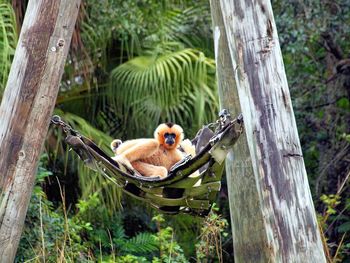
(169,249)
(344,228)
(156,55)
(78,123)
(333,218)
(125,259)
(331,201)
(8,41)
(72,235)
(141,244)
(140,24)
(109,195)
(210,246)
(152,60)
(170,79)
(307,30)
(343,103)
(171,87)
(49,233)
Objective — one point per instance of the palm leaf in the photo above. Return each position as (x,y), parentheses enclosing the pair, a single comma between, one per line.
(8,41)
(182,25)
(167,87)
(90,181)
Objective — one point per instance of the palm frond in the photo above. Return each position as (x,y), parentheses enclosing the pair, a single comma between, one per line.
(90,181)
(177,86)
(8,41)
(100,138)
(180,26)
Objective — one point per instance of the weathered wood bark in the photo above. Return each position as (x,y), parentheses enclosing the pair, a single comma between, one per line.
(272,211)
(26,108)
(247,220)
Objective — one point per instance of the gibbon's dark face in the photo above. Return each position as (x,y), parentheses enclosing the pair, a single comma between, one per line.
(169,135)
(169,138)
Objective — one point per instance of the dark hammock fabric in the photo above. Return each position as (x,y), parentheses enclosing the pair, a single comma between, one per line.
(180,191)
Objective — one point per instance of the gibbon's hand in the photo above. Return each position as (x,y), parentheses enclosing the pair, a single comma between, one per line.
(122,160)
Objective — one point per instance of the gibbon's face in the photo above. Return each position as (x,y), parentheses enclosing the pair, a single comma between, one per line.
(169,135)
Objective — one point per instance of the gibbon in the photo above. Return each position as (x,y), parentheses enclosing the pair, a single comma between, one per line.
(154,157)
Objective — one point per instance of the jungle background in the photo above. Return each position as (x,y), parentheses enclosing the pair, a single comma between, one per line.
(136,63)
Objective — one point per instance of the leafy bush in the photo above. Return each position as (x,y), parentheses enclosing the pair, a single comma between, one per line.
(69,235)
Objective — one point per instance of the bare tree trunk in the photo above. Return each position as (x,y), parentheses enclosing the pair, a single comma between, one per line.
(243,197)
(26,108)
(272,212)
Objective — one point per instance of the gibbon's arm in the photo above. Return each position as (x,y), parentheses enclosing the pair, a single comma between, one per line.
(126,145)
(119,147)
(188,147)
(135,150)
(124,148)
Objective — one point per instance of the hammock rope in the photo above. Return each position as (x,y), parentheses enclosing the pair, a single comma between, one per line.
(180,191)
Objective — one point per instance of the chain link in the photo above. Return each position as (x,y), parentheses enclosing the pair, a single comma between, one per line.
(56,120)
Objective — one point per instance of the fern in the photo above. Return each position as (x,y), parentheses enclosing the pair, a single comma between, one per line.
(142,243)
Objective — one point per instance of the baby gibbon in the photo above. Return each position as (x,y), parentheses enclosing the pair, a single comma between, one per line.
(153,157)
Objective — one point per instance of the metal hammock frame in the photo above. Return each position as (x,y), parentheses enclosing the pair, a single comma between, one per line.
(180,191)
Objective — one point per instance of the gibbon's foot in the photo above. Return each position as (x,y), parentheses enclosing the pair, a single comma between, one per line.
(124,161)
(163,172)
(115,144)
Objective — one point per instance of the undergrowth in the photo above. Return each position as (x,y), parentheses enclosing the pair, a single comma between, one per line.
(87,233)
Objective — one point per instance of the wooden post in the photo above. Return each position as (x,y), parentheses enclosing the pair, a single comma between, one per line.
(26,108)
(272,211)
(243,197)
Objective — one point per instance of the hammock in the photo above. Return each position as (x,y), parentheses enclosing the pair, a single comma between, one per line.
(180,191)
